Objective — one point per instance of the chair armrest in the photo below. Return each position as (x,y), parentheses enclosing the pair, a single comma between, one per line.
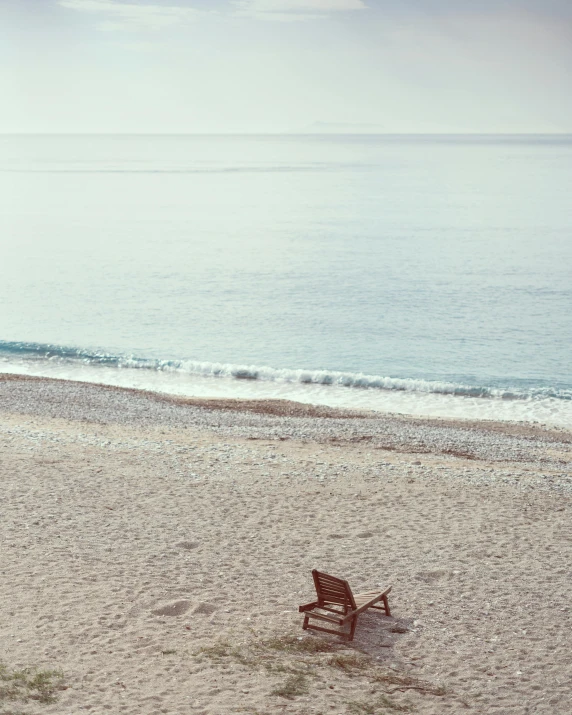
(307,606)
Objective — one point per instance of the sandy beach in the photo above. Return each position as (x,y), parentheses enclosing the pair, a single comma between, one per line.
(156,550)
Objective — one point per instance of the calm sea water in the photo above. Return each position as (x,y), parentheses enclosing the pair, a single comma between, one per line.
(430,275)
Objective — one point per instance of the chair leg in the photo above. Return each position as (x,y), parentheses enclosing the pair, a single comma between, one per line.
(352,628)
(386,604)
(305,624)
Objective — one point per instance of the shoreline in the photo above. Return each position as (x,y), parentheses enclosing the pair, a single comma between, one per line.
(138,529)
(549,411)
(289,408)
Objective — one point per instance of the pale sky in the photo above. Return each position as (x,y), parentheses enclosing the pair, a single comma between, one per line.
(183,66)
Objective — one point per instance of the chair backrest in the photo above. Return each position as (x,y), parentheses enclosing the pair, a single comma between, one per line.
(331,589)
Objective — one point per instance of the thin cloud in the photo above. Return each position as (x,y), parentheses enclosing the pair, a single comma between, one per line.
(113,15)
(124,16)
(289,10)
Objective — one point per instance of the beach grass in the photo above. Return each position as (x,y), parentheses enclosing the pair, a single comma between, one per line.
(28,684)
(308,660)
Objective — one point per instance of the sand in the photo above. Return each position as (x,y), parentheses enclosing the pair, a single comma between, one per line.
(137,529)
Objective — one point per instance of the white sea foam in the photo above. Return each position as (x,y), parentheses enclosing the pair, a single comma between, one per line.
(196,379)
(41,354)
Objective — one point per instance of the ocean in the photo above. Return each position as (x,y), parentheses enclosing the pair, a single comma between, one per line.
(426,275)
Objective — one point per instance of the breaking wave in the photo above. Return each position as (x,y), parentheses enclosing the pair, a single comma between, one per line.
(37,353)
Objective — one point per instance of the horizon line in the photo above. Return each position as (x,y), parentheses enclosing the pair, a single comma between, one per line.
(295,133)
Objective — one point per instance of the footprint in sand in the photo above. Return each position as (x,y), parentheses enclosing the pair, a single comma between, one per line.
(206,608)
(173,609)
(187,545)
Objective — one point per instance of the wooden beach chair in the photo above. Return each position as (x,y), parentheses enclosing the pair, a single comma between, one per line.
(335,597)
